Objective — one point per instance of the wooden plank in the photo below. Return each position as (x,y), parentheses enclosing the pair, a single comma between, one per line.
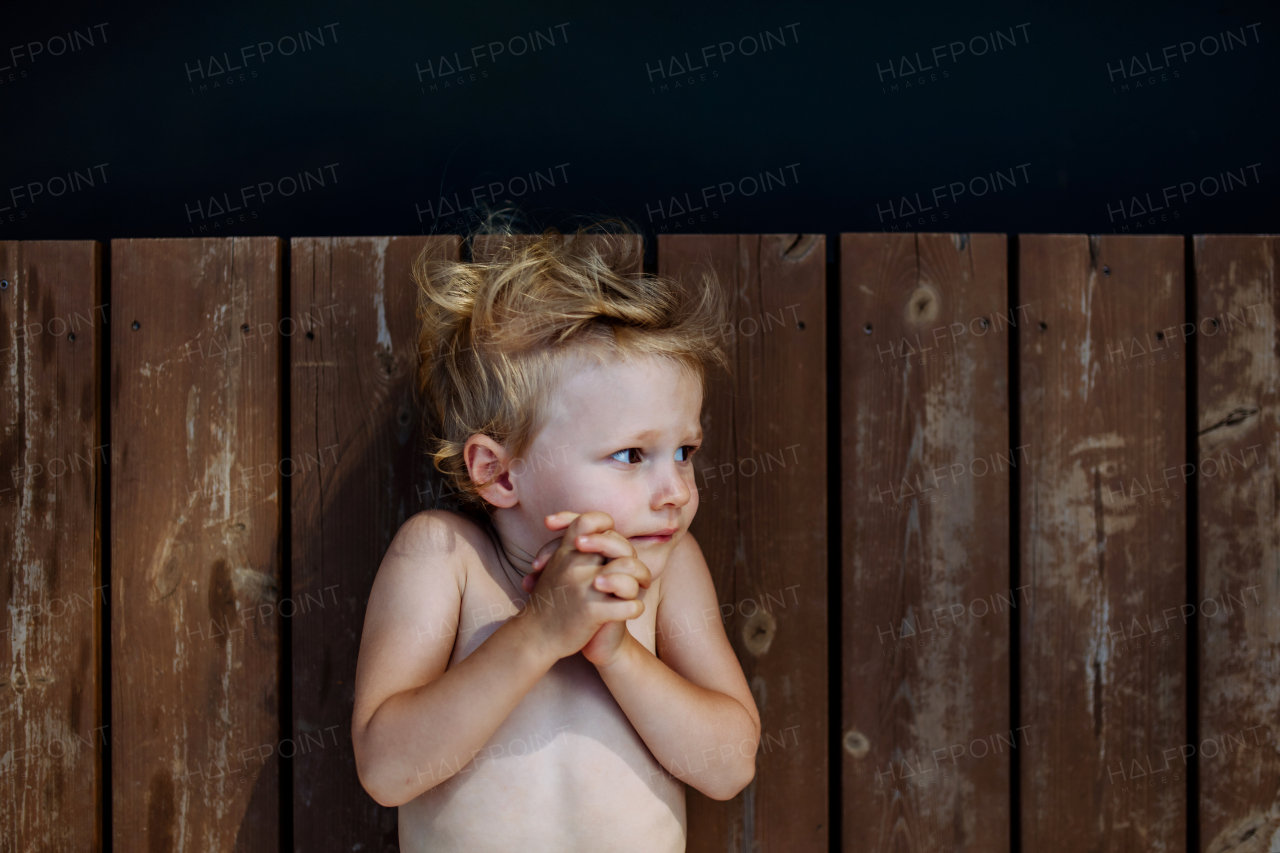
(1103,543)
(51,594)
(762,524)
(926,738)
(355,423)
(196,527)
(1238,608)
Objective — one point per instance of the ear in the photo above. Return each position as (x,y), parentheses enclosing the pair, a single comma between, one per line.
(489,461)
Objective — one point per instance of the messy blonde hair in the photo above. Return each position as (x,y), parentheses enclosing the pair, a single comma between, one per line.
(497,333)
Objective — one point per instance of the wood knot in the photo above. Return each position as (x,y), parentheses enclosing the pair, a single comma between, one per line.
(758,633)
(387,362)
(922,307)
(856,743)
(1249,834)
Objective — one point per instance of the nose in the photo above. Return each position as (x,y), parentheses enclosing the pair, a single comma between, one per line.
(670,490)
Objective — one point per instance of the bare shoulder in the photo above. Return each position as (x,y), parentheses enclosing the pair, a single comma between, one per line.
(685,582)
(685,559)
(412,614)
(438,537)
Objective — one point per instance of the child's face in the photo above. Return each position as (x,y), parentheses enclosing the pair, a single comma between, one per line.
(619,439)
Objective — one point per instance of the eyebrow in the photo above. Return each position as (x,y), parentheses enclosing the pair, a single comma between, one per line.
(653,433)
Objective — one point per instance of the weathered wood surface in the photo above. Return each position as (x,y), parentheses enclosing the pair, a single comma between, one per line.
(1237,610)
(196,526)
(51,595)
(926,739)
(361,474)
(1103,412)
(762,525)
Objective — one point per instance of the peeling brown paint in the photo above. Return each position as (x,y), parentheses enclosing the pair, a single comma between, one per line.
(1239,534)
(50,760)
(915,402)
(1095,551)
(1255,833)
(194,687)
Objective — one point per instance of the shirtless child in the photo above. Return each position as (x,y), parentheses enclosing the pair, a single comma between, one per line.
(514,689)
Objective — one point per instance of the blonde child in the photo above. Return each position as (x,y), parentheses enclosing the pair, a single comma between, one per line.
(515,687)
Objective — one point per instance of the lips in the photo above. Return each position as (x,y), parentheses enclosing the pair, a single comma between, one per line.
(657,535)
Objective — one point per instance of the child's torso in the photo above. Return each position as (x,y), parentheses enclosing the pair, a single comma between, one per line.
(566,771)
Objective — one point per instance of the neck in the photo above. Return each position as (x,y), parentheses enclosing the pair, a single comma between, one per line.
(514,543)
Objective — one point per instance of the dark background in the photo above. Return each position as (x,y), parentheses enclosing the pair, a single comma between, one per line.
(815,110)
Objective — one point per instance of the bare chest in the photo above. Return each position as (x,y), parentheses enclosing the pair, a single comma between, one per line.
(571,696)
(563,766)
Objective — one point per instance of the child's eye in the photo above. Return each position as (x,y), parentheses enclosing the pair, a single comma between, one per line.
(688,450)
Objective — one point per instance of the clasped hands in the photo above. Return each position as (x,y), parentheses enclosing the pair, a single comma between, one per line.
(601,575)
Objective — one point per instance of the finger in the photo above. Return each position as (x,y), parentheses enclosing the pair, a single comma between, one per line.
(632,567)
(545,552)
(529,581)
(610,543)
(560,520)
(590,522)
(575,566)
(621,585)
(622,611)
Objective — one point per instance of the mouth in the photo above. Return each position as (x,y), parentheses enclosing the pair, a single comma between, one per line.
(655,538)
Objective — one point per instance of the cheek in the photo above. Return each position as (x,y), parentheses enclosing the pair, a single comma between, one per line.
(587,494)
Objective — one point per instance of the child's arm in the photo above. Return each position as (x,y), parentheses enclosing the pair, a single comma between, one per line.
(415,724)
(693,707)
